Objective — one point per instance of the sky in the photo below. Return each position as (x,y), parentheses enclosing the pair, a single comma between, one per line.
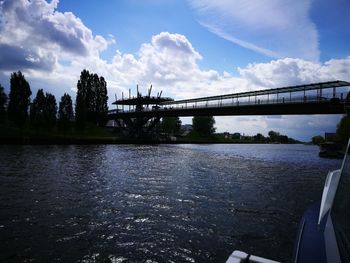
(186,48)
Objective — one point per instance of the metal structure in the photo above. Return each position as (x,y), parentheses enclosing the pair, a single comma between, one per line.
(316,98)
(138,126)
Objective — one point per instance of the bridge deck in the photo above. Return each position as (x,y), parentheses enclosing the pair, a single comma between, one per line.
(315,88)
(317,98)
(325,107)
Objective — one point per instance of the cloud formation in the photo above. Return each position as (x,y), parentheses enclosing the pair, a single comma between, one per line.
(288,71)
(275,28)
(14,57)
(40,33)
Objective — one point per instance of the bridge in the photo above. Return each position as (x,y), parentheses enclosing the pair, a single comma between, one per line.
(317,98)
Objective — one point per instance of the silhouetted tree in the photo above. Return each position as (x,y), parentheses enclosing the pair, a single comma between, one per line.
(203,125)
(65,112)
(37,109)
(283,139)
(277,137)
(274,136)
(50,111)
(343,130)
(19,99)
(236,136)
(101,98)
(91,100)
(171,125)
(43,110)
(3,101)
(81,109)
(259,138)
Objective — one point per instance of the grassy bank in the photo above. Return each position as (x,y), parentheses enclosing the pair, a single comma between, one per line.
(98,135)
(28,135)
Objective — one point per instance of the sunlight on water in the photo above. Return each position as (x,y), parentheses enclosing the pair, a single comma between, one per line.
(180,203)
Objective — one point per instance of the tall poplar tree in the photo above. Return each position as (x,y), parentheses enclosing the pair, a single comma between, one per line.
(43,110)
(19,99)
(37,109)
(91,101)
(101,102)
(50,111)
(81,105)
(65,112)
(3,101)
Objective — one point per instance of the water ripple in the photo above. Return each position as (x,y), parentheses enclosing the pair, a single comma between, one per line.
(174,203)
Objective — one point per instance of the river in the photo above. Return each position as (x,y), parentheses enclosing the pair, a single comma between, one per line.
(165,203)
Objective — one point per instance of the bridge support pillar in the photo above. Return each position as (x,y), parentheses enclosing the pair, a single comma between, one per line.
(141,127)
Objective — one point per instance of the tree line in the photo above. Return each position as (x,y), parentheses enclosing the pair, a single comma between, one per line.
(341,135)
(43,113)
(91,108)
(203,126)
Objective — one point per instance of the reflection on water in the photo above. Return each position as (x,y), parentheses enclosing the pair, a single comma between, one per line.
(180,203)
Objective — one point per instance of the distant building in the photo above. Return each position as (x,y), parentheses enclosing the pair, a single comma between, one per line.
(329,136)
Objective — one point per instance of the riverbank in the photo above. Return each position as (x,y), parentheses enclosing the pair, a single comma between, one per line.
(97,135)
(86,140)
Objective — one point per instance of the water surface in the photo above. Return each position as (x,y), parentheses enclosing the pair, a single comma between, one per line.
(166,203)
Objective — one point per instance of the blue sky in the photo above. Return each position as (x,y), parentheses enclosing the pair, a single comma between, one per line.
(135,22)
(187,48)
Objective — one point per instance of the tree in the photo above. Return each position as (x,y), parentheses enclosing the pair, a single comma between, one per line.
(37,109)
(43,110)
(259,138)
(203,125)
(236,136)
(283,139)
(343,130)
(274,136)
(81,99)
(317,140)
(3,100)
(171,125)
(65,112)
(50,111)
(101,102)
(19,99)
(91,100)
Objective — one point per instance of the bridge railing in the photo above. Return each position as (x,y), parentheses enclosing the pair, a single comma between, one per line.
(238,103)
(335,97)
(333,91)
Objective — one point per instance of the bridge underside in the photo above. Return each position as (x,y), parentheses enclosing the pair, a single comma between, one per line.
(326,107)
(317,98)
(140,126)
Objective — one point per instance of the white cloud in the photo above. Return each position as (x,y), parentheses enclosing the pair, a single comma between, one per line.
(38,29)
(288,71)
(275,28)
